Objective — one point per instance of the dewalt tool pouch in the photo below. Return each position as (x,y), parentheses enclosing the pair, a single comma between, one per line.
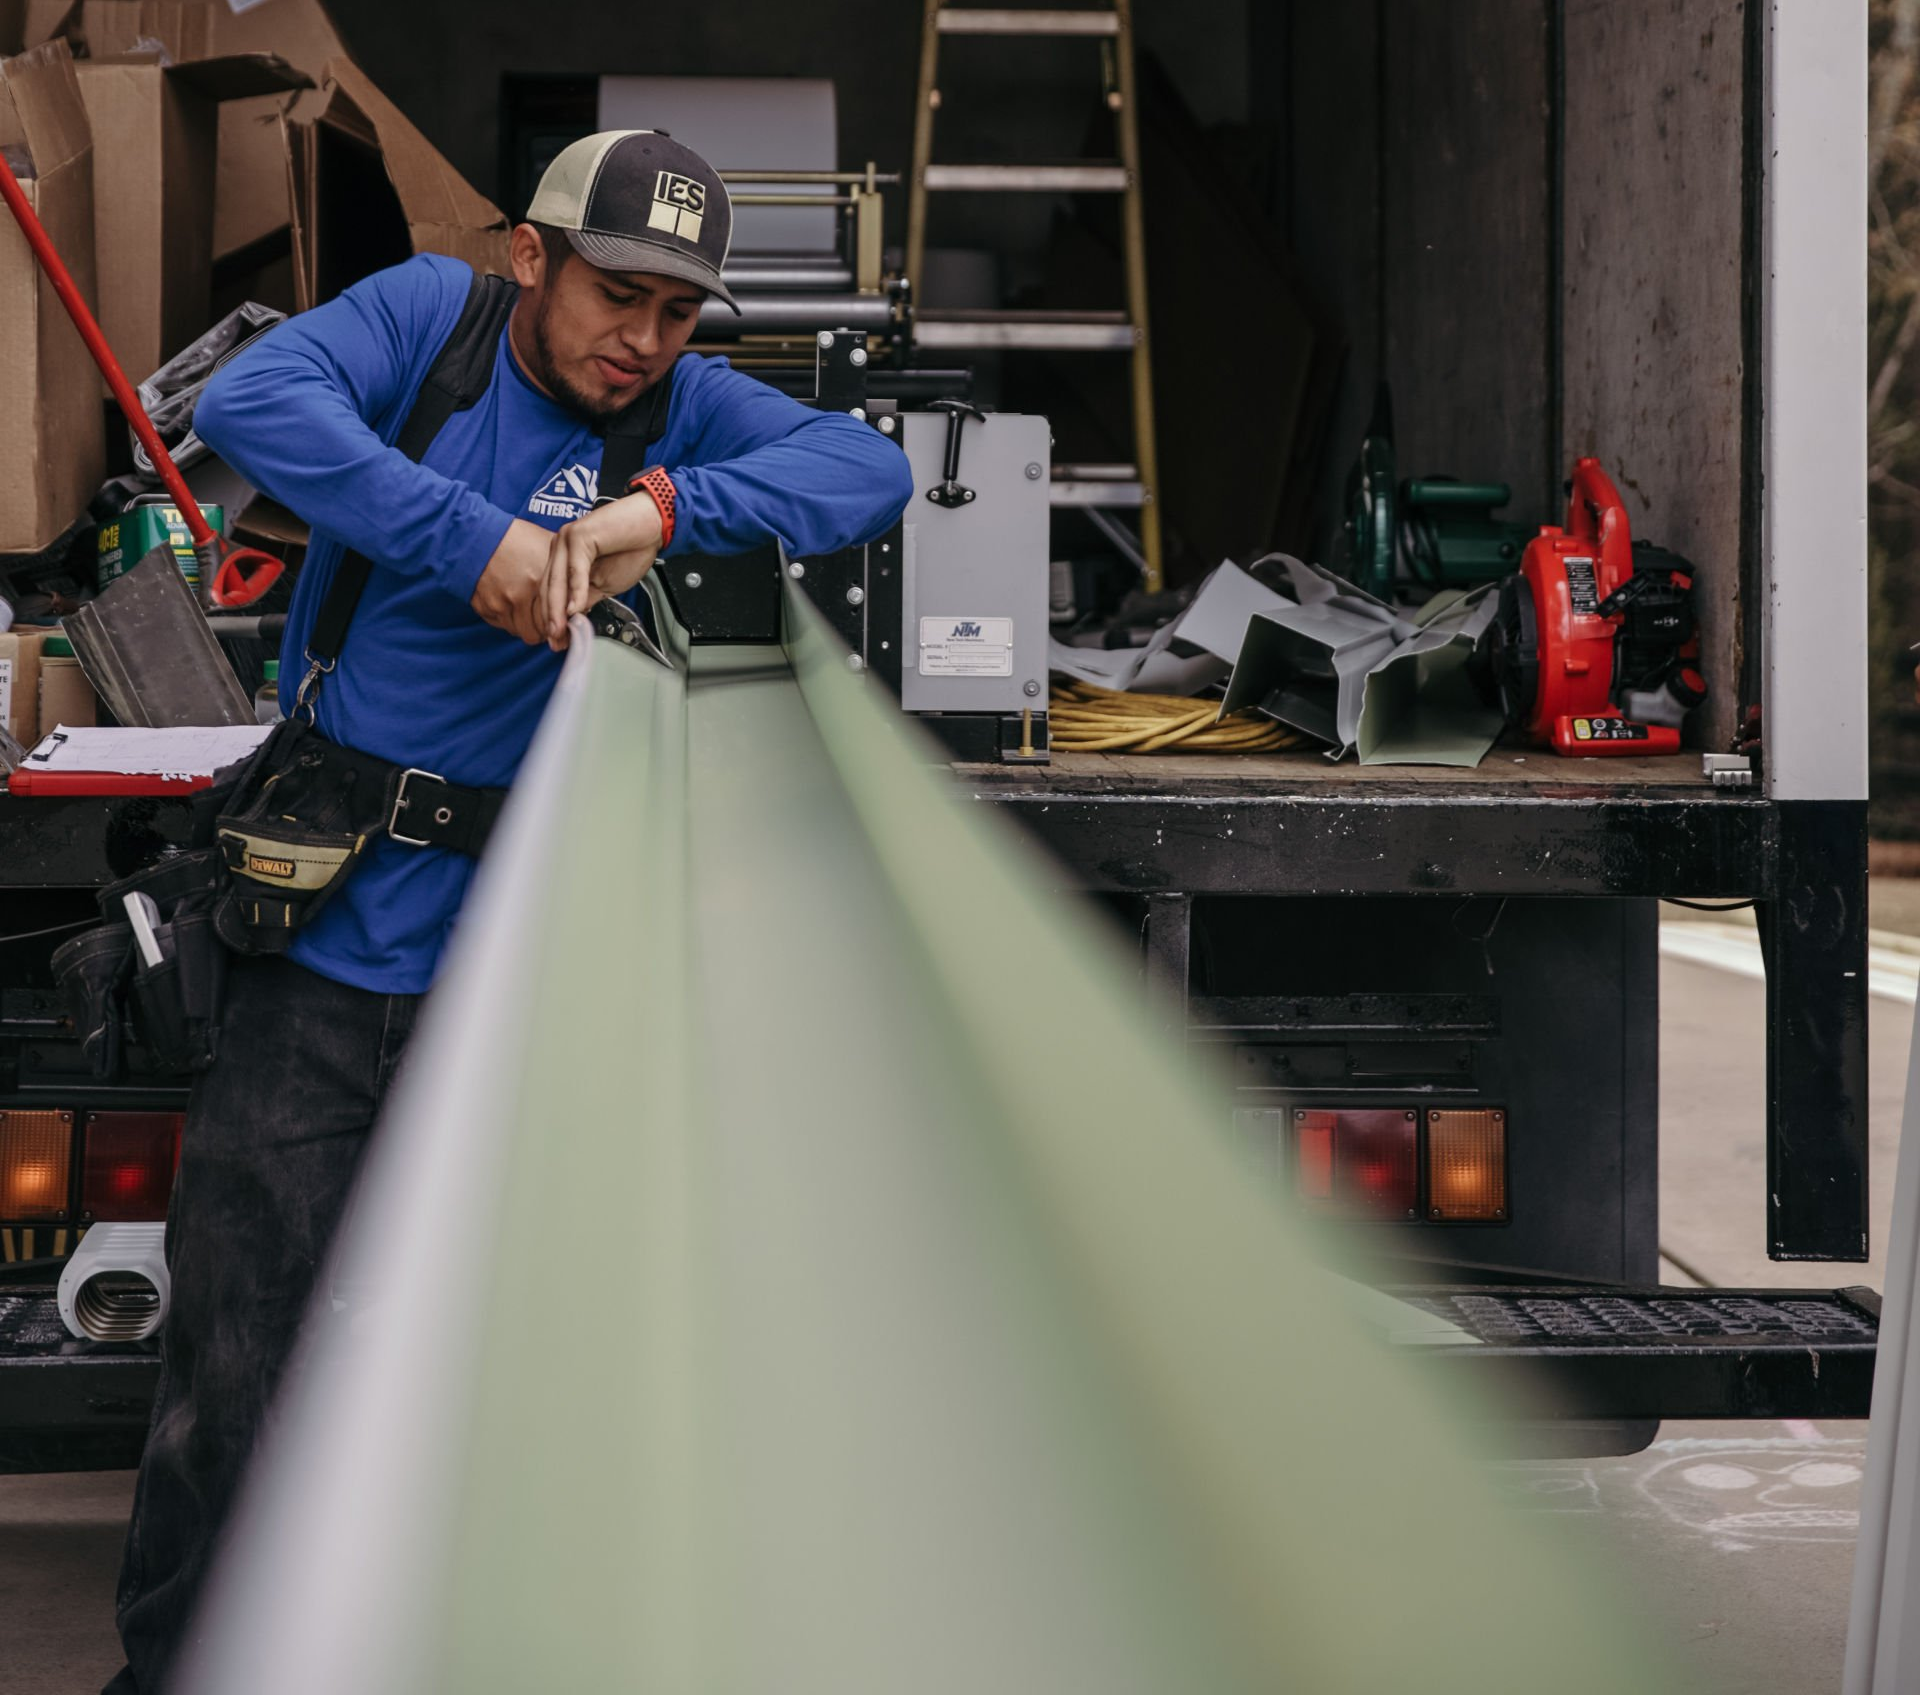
(295,825)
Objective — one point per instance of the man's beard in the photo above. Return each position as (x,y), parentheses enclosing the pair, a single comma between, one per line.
(546,369)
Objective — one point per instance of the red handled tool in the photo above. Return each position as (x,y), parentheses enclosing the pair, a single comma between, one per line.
(232,576)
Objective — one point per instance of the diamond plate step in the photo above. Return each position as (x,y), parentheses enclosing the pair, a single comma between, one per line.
(1604,1352)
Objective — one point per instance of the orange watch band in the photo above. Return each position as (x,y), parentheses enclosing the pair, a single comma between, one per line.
(657,483)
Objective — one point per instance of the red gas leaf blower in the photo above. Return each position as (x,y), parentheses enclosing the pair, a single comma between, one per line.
(1595,649)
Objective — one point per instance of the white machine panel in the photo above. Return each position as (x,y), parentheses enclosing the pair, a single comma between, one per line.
(974,593)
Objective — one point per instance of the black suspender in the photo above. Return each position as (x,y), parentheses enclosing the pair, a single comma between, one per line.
(629,436)
(461,374)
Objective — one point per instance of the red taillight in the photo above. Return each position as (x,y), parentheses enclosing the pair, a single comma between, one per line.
(36,1153)
(1313,1149)
(126,1173)
(1357,1163)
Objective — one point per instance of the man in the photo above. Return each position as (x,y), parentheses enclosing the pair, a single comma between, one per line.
(479,552)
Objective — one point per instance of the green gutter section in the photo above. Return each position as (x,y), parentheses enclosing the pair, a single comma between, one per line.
(851,1289)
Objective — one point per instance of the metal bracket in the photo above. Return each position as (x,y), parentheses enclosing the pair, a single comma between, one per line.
(951,493)
(840,371)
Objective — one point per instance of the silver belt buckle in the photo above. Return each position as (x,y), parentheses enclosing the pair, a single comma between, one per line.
(444,815)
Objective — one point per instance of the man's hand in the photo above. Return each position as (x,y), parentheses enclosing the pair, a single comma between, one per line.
(508,594)
(604,553)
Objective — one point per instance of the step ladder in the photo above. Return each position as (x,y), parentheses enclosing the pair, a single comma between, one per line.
(1097,490)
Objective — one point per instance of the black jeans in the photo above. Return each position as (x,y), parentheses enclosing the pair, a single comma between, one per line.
(274,1136)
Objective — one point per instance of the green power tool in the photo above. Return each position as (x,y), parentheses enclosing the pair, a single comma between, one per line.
(1443,530)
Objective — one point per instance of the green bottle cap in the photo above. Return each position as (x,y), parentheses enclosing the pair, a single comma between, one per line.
(57,647)
(272,670)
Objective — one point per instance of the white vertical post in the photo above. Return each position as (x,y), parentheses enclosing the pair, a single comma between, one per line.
(1814,388)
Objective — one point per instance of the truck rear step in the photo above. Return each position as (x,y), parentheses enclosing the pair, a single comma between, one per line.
(67,1405)
(1616,1353)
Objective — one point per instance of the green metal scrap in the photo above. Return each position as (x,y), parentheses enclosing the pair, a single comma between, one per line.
(794,1262)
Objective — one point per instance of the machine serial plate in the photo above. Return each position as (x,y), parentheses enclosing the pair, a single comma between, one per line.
(966,647)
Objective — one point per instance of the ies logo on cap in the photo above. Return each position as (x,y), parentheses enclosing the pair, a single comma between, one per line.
(679,204)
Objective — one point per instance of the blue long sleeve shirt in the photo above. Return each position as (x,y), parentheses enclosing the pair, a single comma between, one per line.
(310,415)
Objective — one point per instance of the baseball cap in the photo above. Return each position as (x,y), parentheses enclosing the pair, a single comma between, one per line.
(637,200)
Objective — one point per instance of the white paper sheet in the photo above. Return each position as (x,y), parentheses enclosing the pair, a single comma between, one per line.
(193,752)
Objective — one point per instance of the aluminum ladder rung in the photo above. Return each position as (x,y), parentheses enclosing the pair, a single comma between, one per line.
(1000,20)
(1029,179)
(1060,332)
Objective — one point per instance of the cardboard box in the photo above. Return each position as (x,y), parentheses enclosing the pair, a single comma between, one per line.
(250,194)
(52,425)
(154,138)
(27,23)
(20,682)
(369,190)
(66,697)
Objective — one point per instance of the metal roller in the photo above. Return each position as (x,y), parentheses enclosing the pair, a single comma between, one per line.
(791,311)
(787,271)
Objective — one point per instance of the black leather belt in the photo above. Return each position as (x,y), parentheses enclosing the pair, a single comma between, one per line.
(428,811)
(422,809)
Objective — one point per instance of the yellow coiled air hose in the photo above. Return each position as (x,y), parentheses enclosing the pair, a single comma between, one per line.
(1086,719)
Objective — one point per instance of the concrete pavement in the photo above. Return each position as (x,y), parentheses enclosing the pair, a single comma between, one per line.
(1740,1533)
(59,1555)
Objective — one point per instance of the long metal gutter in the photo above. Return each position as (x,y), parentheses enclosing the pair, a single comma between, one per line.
(793,1260)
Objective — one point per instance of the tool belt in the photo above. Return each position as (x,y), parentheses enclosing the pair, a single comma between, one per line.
(271,841)
(302,812)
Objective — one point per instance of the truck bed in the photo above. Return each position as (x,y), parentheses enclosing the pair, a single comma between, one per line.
(1522,822)
(1532,769)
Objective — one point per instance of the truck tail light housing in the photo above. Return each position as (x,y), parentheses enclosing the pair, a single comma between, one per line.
(1467,1165)
(126,1172)
(1357,1162)
(36,1162)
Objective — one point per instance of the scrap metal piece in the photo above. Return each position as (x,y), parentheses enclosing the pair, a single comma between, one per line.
(145,645)
(997,1308)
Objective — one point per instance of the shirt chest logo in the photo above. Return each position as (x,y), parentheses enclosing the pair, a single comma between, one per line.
(568,495)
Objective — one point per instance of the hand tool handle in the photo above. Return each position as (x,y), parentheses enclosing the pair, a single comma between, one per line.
(143,915)
(1594,506)
(232,576)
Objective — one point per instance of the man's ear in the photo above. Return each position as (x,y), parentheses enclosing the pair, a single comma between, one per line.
(528,255)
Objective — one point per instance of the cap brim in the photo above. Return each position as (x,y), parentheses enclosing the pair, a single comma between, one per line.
(627,253)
